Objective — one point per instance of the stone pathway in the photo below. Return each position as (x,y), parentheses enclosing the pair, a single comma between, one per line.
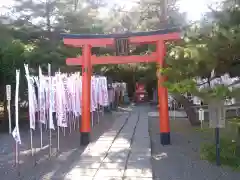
(172,114)
(121,153)
(41,167)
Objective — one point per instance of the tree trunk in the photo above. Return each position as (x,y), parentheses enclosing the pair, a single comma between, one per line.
(76,5)
(190,111)
(48,21)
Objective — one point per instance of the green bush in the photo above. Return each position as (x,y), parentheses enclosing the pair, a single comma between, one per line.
(227,153)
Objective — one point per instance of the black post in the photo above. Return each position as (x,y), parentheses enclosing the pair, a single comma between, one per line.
(84,138)
(217,138)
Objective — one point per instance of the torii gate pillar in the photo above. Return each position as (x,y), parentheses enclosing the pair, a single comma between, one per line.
(85,127)
(162,96)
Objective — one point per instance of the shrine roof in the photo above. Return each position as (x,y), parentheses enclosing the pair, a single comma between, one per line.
(122,35)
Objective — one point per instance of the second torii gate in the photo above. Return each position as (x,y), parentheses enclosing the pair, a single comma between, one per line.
(121,41)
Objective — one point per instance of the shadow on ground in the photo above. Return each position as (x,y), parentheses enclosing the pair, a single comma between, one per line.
(41,166)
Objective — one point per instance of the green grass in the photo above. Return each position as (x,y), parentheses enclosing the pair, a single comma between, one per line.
(228,145)
(235,121)
(227,153)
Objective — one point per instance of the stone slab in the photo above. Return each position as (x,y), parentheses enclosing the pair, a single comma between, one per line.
(141,153)
(95,153)
(141,150)
(120,145)
(118,150)
(128,131)
(103,143)
(139,142)
(76,171)
(142,173)
(138,157)
(115,159)
(117,125)
(120,153)
(140,145)
(126,136)
(121,140)
(101,146)
(104,147)
(110,134)
(109,173)
(106,139)
(107,178)
(88,165)
(113,166)
(91,158)
(136,178)
(77,177)
(139,138)
(141,164)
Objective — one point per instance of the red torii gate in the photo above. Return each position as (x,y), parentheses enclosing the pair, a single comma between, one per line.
(122,41)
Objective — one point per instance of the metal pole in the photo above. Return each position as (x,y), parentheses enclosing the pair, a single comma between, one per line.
(74,122)
(8,98)
(92,119)
(9,116)
(217,138)
(31,143)
(202,121)
(47,117)
(98,115)
(50,142)
(174,110)
(41,136)
(58,139)
(40,126)
(17,159)
(70,122)
(46,125)
(103,111)
(49,113)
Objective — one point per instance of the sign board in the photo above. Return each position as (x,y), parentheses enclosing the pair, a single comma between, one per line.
(197,101)
(201,114)
(229,102)
(8,92)
(217,114)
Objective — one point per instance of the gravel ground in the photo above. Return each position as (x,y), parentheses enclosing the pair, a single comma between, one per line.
(181,160)
(41,166)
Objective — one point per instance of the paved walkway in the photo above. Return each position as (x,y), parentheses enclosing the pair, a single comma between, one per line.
(121,153)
